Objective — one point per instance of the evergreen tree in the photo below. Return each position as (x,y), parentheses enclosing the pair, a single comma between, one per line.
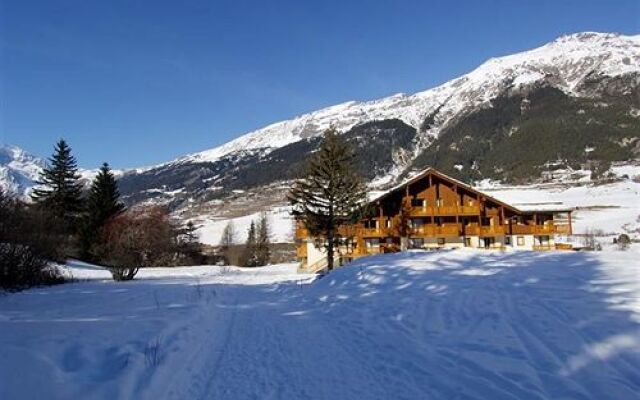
(330,192)
(102,203)
(60,190)
(263,254)
(189,247)
(250,256)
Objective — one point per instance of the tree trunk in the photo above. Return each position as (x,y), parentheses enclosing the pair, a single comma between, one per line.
(330,251)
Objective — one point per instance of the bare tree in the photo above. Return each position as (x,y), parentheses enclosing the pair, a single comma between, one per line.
(227,241)
(135,239)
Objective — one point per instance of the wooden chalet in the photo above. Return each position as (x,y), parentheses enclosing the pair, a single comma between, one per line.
(433,210)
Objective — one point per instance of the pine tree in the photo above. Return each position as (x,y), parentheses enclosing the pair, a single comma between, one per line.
(250,256)
(59,189)
(330,192)
(102,203)
(263,254)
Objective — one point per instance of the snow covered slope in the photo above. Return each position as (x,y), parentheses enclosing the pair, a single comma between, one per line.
(565,91)
(18,170)
(566,62)
(437,325)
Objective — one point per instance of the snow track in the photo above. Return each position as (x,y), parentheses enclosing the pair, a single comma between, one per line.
(444,325)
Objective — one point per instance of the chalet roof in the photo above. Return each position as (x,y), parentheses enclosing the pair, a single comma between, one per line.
(524,209)
(528,208)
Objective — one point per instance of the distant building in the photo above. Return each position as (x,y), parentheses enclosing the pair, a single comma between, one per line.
(432,210)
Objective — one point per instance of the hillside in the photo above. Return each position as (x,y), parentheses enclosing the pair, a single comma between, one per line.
(439,325)
(573,103)
(575,99)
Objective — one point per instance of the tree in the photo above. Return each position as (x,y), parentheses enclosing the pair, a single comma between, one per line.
(189,246)
(59,189)
(263,254)
(250,255)
(623,241)
(330,192)
(102,203)
(227,241)
(136,239)
(29,240)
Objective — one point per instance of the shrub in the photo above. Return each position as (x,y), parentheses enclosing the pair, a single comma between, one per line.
(138,238)
(29,239)
(623,241)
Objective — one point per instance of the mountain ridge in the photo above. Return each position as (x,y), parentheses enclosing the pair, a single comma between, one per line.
(502,96)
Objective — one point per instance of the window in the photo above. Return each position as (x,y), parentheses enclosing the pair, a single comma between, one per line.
(467,242)
(507,240)
(441,241)
(387,223)
(372,243)
(416,243)
(544,240)
(417,202)
(520,240)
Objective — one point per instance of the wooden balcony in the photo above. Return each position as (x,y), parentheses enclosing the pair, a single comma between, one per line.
(434,230)
(547,229)
(428,211)
(301,250)
(301,233)
(494,230)
(374,232)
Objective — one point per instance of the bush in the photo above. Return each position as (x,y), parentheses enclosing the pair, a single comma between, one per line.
(590,241)
(29,239)
(138,238)
(623,241)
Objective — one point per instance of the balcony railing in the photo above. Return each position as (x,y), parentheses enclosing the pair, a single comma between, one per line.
(301,251)
(492,230)
(301,233)
(433,230)
(427,211)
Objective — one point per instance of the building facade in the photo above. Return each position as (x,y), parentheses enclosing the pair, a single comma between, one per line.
(433,210)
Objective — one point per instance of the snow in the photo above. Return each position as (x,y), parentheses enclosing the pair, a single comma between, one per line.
(569,59)
(438,325)
(613,208)
(18,170)
(280,225)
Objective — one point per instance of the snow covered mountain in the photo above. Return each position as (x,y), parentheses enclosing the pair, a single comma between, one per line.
(570,63)
(573,101)
(556,98)
(18,170)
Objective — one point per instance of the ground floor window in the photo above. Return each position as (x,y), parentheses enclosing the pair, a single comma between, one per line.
(487,241)
(543,240)
(507,240)
(520,240)
(416,243)
(371,243)
(441,241)
(467,242)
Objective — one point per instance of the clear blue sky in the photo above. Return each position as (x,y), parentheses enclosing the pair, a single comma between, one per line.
(140,82)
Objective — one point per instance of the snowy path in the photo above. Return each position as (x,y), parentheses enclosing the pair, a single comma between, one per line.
(459,324)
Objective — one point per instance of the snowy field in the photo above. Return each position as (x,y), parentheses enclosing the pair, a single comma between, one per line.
(441,325)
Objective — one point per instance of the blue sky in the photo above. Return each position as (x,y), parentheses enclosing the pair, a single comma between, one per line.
(141,82)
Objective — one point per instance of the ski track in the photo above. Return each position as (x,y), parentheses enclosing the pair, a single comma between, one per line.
(445,325)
